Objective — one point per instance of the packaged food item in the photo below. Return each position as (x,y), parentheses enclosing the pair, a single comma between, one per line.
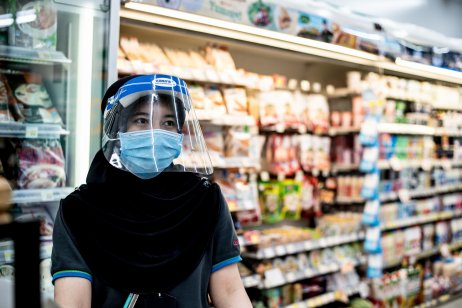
(40,32)
(270,201)
(277,108)
(291,199)
(9,111)
(36,212)
(202,105)
(219,57)
(316,113)
(371,213)
(372,243)
(213,94)
(33,99)
(237,142)
(213,137)
(236,101)
(281,154)
(41,164)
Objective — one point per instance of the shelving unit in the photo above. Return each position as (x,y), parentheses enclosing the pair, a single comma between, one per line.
(32,56)
(40,195)
(308,245)
(297,58)
(33,131)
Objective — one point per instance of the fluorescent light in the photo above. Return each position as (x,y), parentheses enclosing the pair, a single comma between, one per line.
(183,20)
(83,99)
(6,20)
(25,16)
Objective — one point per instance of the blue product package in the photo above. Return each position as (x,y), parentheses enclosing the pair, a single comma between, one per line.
(372,243)
(371,213)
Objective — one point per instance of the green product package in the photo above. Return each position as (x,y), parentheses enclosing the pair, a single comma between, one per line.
(291,193)
(270,201)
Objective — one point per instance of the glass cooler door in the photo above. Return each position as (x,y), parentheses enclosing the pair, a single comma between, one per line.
(54,57)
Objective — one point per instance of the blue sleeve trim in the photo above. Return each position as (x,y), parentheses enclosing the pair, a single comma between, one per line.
(227,262)
(72,273)
(129,299)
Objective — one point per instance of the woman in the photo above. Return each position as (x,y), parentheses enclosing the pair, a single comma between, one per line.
(146,230)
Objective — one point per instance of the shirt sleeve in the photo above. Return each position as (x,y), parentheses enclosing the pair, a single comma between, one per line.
(66,260)
(226,248)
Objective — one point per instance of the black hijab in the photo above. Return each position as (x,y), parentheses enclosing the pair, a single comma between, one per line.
(137,235)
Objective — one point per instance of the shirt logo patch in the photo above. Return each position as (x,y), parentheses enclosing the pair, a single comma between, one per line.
(236,243)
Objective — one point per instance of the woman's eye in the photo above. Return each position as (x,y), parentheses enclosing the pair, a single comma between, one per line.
(141,121)
(169,123)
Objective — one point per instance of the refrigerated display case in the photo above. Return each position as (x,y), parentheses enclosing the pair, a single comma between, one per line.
(54,69)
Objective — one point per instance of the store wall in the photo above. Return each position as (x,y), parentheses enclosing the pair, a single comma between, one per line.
(443,16)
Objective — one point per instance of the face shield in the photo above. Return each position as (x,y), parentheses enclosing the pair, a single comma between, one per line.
(150,127)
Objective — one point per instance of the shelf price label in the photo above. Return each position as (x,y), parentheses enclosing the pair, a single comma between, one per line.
(427,164)
(32,132)
(269,253)
(347,267)
(404,195)
(280,250)
(274,277)
(47,196)
(396,164)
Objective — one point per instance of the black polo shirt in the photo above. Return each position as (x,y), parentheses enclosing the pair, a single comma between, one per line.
(191,293)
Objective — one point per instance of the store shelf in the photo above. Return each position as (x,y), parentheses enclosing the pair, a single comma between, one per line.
(251,281)
(308,245)
(40,195)
(326,298)
(426,164)
(227,120)
(428,192)
(405,129)
(442,300)
(281,279)
(236,163)
(343,200)
(342,93)
(212,26)
(336,168)
(425,254)
(335,131)
(420,220)
(24,130)
(32,56)
(451,132)
(7,251)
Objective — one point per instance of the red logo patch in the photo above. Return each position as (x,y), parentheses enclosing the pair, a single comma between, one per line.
(236,243)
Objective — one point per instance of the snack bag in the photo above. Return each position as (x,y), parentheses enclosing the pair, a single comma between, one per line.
(270,202)
(291,199)
(213,94)
(41,164)
(236,101)
(237,143)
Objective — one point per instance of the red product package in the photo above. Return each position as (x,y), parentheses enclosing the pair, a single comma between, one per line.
(41,164)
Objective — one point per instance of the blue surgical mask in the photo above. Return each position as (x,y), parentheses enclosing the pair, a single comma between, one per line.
(147,153)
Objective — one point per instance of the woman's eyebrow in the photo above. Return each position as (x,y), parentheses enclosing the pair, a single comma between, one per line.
(140,113)
(169,116)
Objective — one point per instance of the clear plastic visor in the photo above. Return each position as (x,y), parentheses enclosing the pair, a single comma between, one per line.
(155,131)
